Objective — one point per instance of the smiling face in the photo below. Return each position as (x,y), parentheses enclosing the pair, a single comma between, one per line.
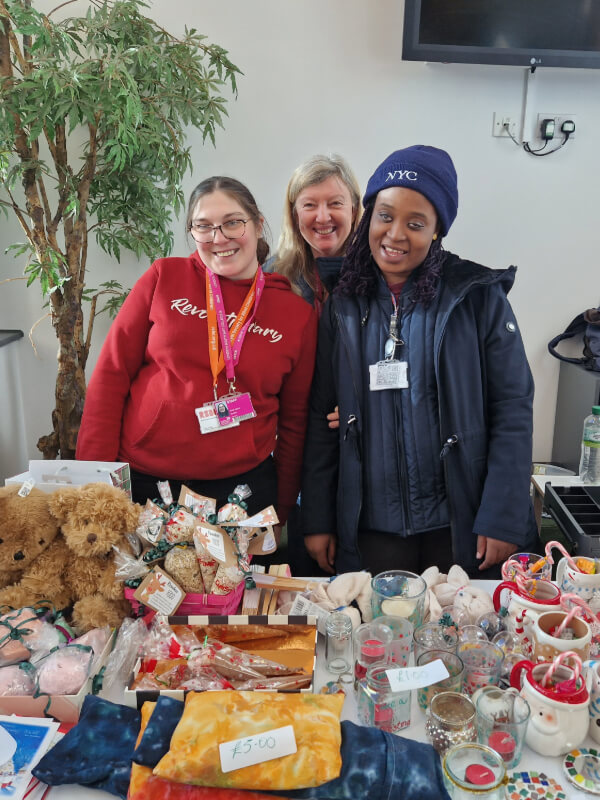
(228,258)
(325,216)
(401,231)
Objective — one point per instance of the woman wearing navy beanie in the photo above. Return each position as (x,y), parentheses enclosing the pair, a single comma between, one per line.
(421,351)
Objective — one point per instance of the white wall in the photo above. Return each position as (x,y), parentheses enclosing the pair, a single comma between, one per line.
(327,75)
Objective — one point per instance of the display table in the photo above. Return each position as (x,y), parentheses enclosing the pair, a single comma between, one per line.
(530,761)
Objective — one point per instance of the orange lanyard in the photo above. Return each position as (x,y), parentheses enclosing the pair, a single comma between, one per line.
(231,339)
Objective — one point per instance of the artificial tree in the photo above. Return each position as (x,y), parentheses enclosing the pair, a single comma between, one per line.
(94,112)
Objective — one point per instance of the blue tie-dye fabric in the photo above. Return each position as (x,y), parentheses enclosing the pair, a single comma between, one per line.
(156,739)
(381,766)
(97,751)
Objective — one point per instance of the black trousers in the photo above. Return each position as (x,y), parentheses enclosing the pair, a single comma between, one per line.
(262,481)
(384,551)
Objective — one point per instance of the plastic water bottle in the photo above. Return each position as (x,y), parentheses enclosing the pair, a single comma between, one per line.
(589,466)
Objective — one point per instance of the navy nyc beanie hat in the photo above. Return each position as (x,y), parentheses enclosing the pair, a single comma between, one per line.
(424,169)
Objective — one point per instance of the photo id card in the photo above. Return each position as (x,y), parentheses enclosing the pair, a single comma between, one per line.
(234,406)
(209,421)
(388,375)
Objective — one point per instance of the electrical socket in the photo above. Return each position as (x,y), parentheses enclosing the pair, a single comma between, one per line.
(501,120)
(558,121)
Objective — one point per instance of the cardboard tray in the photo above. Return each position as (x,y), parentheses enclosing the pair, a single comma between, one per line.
(63,707)
(136,698)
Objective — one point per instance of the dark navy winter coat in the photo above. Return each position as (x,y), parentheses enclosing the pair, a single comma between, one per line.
(484,401)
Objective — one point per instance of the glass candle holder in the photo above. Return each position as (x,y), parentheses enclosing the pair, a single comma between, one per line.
(432,636)
(451,721)
(397,593)
(338,642)
(535,566)
(474,771)
(378,705)
(483,664)
(453,683)
(371,641)
(502,717)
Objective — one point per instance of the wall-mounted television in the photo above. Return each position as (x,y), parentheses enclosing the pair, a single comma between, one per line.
(527,33)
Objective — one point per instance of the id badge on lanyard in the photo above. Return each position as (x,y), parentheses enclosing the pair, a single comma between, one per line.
(390,373)
(229,410)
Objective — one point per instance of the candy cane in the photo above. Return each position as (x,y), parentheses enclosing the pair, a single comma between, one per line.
(578,601)
(559,546)
(566,621)
(559,662)
(510,569)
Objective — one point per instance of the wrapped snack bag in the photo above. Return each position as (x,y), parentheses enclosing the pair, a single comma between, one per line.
(180,527)
(64,671)
(166,495)
(152,522)
(202,507)
(208,564)
(182,564)
(17,680)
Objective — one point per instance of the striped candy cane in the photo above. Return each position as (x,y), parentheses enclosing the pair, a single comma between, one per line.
(558,661)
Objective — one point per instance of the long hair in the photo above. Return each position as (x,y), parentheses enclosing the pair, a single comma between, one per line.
(294,257)
(236,190)
(359,274)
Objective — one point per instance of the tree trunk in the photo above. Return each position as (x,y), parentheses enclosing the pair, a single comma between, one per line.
(70,382)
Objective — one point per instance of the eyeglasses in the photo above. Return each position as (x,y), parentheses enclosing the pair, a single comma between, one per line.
(232,229)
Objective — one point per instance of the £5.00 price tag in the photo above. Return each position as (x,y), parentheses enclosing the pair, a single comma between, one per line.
(404,679)
(254,749)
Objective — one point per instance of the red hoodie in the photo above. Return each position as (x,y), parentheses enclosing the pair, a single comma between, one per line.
(153,371)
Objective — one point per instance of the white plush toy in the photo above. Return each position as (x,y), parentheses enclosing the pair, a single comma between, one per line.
(338,594)
(454,589)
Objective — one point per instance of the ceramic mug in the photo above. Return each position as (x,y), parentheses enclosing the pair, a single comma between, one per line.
(592,670)
(546,646)
(585,586)
(559,721)
(537,596)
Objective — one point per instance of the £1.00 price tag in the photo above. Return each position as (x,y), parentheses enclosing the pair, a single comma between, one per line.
(403,679)
(251,750)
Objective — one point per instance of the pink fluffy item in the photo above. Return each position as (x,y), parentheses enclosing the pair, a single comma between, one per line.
(19,631)
(18,680)
(64,671)
(97,639)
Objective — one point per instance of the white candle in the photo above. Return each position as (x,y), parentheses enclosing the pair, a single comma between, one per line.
(397,607)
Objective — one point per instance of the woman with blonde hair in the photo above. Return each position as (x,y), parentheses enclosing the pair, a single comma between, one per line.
(321,212)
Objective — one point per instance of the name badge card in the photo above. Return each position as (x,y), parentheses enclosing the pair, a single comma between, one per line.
(388,375)
(251,750)
(238,407)
(404,679)
(209,421)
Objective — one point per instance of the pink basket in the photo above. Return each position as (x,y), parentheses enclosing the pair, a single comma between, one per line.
(214,604)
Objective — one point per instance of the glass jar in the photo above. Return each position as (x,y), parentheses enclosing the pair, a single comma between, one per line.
(338,642)
(378,705)
(451,720)
(474,771)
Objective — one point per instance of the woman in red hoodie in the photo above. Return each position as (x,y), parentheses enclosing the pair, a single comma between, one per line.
(196,336)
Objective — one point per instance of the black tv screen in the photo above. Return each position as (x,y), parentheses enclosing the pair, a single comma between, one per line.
(551,33)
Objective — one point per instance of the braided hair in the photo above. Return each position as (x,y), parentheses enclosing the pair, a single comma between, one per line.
(359,274)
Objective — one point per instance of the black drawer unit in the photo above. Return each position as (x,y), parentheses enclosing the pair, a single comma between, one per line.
(576,511)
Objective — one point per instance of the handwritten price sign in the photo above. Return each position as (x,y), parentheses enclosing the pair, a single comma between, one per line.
(250,750)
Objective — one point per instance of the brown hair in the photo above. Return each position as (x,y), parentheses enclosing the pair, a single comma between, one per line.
(244,197)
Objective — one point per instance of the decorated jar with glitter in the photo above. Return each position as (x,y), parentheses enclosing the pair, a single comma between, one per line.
(474,771)
(378,705)
(451,721)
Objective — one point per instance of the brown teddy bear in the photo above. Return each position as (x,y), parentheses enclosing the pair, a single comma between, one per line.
(93,518)
(30,546)
(76,566)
